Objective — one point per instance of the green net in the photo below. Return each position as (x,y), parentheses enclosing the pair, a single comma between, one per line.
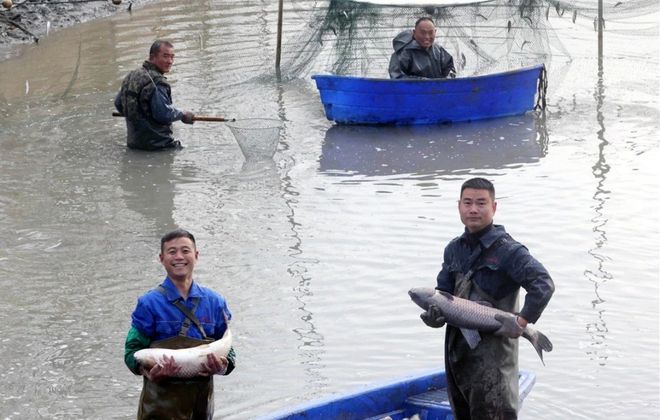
(355,38)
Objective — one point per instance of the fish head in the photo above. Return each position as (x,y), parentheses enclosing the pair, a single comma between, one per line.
(146,358)
(422,296)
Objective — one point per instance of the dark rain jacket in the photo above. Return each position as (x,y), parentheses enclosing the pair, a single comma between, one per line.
(489,266)
(135,99)
(410,60)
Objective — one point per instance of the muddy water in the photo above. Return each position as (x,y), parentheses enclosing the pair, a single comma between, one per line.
(316,248)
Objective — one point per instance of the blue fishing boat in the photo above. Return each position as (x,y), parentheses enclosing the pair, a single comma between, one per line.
(424,395)
(360,100)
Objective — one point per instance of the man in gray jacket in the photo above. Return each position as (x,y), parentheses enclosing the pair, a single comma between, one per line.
(417,56)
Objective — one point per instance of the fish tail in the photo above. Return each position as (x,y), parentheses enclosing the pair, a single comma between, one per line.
(539,341)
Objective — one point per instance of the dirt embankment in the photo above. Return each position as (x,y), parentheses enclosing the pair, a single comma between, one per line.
(28,20)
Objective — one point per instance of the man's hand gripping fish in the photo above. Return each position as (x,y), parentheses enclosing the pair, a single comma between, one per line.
(191,360)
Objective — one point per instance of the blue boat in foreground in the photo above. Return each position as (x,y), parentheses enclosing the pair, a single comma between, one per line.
(423,395)
(360,100)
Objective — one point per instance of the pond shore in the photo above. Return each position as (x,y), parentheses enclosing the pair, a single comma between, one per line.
(26,21)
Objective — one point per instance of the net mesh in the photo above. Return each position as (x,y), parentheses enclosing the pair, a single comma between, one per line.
(257,137)
(355,38)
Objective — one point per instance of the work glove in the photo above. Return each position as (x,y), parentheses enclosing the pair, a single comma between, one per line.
(433,317)
(509,326)
(188,117)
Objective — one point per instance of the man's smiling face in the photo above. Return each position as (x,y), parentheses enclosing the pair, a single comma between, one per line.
(179,257)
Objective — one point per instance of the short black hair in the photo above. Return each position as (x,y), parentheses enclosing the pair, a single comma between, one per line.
(422,19)
(176,233)
(155,47)
(479,184)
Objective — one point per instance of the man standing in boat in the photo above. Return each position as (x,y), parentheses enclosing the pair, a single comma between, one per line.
(416,55)
(178,314)
(486,264)
(145,100)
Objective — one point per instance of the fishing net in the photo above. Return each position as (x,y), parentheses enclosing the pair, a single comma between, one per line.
(257,137)
(355,37)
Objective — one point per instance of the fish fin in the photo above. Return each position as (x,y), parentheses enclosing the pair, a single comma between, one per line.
(472,337)
(538,340)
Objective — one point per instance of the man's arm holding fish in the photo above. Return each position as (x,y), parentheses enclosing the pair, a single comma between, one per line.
(136,341)
(539,287)
(220,365)
(526,271)
(167,367)
(433,317)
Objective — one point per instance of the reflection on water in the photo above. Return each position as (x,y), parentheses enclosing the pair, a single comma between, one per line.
(428,150)
(148,183)
(597,329)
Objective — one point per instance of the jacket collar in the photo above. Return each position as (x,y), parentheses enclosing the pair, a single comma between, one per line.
(151,67)
(487,236)
(173,293)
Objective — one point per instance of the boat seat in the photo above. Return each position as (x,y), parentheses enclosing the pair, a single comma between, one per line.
(430,405)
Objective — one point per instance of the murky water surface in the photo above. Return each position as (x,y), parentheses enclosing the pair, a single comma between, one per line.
(316,249)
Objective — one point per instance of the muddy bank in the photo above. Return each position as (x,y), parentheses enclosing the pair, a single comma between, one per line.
(27,21)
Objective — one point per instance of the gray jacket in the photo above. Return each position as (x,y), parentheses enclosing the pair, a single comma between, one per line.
(410,60)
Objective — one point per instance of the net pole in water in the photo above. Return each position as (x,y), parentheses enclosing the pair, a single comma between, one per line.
(278,52)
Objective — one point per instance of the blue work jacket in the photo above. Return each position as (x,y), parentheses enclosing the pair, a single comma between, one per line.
(156,317)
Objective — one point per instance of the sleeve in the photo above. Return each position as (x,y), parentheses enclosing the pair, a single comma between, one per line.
(223,316)
(118,105)
(162,109)
(135,341)
(231,359)
(535,279)
(445,279)
(395,67)
(142,319)
(448,68)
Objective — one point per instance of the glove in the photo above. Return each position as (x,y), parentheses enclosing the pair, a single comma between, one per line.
(509,326)
(188,117)
(433,317)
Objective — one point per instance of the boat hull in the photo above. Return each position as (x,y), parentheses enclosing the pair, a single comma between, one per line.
(359,100)
(424,395)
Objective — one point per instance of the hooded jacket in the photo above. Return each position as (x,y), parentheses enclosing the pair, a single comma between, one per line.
(410,60)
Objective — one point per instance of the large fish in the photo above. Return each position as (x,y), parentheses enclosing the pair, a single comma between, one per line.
(190,360)
(471,317)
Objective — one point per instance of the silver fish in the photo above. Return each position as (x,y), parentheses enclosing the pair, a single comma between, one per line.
(190,360)
(471,317)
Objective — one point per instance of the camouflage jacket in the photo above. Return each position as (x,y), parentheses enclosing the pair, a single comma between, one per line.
(134,100)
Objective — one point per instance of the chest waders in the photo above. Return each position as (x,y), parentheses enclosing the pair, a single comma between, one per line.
(482,382)
(178,398)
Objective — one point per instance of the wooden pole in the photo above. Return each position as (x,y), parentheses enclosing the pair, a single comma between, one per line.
(601,22)
(195,118)
(278,52)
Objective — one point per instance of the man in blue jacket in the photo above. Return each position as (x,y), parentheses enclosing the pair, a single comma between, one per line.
(145,100)
(179,313)
(486,264)
(416,55)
